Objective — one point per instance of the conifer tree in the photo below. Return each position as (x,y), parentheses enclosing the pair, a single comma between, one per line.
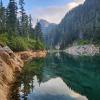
(22,16)
(30,24)
(12,17)
(38,32)
(2,18)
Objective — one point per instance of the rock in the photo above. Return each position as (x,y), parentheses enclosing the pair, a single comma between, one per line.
(9,64)
(87,50)
(1,44)
(7,49)
(26,55)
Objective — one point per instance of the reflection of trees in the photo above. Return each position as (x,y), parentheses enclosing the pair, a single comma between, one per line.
(14,91)
(30,69)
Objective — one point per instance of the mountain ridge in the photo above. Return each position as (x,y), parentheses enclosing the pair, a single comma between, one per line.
(46,26)
(79,23)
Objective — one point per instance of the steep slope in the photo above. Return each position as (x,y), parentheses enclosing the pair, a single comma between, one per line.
(82,22)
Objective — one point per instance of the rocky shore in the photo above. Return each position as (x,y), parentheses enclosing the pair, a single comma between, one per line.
(86,50)
(26,55)
(11,64)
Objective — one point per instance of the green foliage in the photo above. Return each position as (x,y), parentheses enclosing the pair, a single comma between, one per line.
(16,32)
(2,18)
(38,32)
(3,39)
(17,44)
(39,45)
(22,44)
(11,17)
(31,66)
(83,42)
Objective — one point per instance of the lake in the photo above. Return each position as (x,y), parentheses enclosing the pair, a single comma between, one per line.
(59,76)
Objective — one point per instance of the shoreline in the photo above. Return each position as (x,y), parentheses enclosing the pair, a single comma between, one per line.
(26,55)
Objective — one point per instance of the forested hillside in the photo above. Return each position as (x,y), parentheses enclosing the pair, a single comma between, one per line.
(81,24)
(16,28)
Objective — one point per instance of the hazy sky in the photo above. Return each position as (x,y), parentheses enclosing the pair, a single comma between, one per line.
(50,10)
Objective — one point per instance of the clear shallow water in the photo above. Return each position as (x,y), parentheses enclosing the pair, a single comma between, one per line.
(55,75)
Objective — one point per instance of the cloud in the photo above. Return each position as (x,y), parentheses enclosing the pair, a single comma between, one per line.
(79,1)
(54,14)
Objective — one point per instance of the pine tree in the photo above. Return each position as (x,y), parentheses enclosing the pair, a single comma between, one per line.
(30,25)
(38,32)
(26,26)
(12,17)
(22,17)
(18,27)
(2,18)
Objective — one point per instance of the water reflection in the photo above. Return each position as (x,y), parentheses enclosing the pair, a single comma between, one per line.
(53,89)
(24,82)
(57,54)
(82,74)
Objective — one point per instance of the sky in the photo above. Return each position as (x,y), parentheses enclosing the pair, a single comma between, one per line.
(50,10)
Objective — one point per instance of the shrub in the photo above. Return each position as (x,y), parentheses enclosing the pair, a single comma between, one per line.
(17,44)
(39,45)
(3,39)
(83,42)
(20,43)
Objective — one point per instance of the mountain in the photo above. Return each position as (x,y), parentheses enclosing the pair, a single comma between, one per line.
(47,28)
(82,22)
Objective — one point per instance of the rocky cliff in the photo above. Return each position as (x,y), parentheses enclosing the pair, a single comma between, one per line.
(10,64)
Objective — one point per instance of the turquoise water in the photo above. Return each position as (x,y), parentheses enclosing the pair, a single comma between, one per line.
(81,74)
